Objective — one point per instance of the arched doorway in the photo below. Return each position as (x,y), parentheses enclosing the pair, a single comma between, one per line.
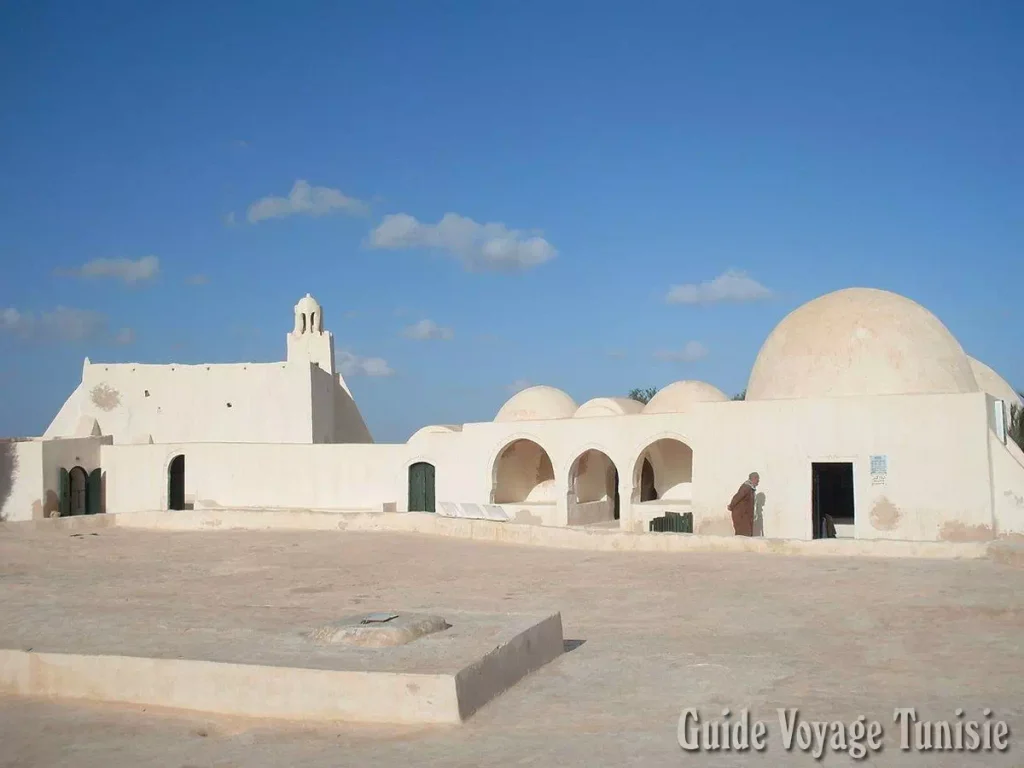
(176,483)
(421,487)
(78,490)
(523,474)
(662,479)
(593,489)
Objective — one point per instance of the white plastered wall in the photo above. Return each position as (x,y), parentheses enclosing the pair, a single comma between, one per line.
(937,486)
(21,480)
(254,475)
(269,402)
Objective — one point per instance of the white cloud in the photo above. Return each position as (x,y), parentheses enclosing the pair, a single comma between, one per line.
(617,354)
(691,351)
(353,365)
(305,199)
(128,270)
(479,247)
(427,329)
(229,219)
(519,385)
(732,285)
(197,279)
(125,336)
(58,324)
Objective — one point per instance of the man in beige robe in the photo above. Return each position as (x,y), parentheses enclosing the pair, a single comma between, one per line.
(742,506)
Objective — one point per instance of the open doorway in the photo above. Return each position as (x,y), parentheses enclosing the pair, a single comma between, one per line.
(78,481)
(176,483)
(832,500)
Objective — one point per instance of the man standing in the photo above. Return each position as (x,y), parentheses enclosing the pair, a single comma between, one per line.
(742,507)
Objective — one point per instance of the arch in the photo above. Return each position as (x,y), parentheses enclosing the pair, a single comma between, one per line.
(78,486)
(523,474)
(176,483)
(421,487)
(647,490)
(593,495)
(667,463)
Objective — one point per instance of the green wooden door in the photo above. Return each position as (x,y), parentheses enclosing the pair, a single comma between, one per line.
(94,493)
(421,487)
(65,493)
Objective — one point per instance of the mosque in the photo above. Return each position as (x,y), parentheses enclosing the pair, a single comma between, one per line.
(861,408)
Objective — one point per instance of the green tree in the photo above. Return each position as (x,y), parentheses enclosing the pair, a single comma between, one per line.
(642,395)
(741,396)
(1016,426)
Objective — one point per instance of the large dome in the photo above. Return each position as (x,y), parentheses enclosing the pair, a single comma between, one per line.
(991,382)
(859,341)
(537,403)
(678,396)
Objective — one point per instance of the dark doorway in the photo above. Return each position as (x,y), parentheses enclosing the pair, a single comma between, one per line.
(78,482)
(176,483)
(94,495)
(421,487)
(615,479)
(647,490)
(831,497)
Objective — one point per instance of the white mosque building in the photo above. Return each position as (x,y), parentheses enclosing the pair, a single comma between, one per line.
(861,406)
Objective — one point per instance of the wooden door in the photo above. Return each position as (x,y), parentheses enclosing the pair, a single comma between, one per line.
(421,487)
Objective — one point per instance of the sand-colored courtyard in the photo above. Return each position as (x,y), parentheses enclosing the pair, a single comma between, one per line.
(649,634)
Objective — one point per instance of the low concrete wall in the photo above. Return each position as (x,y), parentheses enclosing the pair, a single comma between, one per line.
(234,689)
(533,535)
(287,692)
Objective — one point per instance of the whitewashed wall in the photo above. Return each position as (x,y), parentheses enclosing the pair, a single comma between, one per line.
(21,480)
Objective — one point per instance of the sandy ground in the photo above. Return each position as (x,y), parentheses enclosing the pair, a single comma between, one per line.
(834,637)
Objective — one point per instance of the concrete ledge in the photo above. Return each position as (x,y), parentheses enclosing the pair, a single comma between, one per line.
(596,539)
(293,693)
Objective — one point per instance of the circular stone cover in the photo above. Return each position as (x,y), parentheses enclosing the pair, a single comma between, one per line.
(379,630)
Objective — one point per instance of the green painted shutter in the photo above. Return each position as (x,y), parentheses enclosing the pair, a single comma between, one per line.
(65,493)
(428,490)
(94,493)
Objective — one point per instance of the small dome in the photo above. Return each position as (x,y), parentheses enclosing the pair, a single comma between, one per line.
(307,304)
(536,404)
(680,395)
(859,341)
(608,406)
(991,382)
(435,429)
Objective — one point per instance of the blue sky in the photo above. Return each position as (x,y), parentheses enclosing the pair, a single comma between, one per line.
(588,156)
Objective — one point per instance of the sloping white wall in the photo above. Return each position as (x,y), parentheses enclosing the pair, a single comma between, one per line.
(21,480)
(269,402)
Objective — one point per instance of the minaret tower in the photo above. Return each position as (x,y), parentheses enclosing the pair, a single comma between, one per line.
(308,341)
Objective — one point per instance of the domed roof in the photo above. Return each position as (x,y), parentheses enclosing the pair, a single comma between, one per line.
(859,341)
(608,406)
(307,304)
(991,382)
(537,403)
(435,429)
(680,395)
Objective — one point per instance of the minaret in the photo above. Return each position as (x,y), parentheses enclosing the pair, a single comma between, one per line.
(308,341)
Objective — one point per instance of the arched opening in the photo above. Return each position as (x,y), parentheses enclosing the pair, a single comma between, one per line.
(176,483)
(593,489)
(421,487)
(78,487)
(647,490)
(523,474)
(662,479)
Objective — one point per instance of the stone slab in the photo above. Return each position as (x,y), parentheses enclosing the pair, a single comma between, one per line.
(383,685)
